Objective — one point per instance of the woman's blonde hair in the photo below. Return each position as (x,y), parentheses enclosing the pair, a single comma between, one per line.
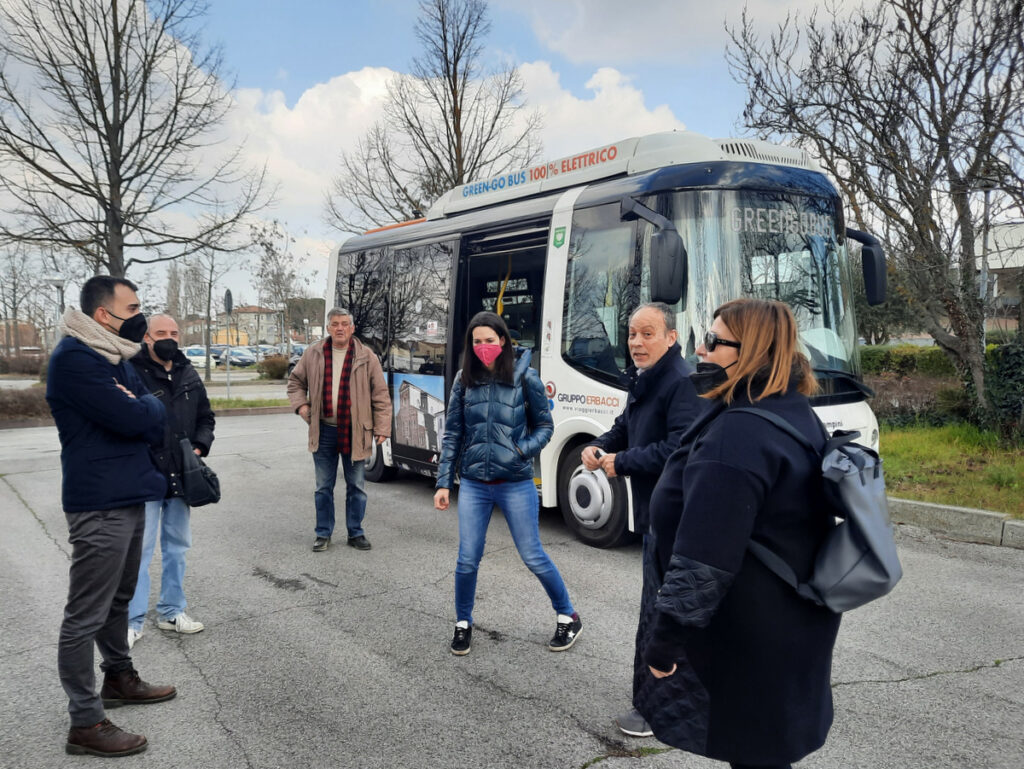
(769,355)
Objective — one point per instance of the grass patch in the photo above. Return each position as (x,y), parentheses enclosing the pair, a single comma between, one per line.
(219,404)
(954,464)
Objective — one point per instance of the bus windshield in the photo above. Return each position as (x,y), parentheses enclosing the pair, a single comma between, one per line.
(766,244)
(770,245)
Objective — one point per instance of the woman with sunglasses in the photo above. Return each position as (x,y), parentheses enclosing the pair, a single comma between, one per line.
(732,664)
(498,420)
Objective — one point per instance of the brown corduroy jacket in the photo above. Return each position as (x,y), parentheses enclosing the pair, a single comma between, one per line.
(371,403)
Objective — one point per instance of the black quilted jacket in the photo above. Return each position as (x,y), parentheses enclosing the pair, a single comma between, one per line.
(753,658)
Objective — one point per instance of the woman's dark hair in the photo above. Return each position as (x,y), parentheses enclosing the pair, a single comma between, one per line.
(473,371)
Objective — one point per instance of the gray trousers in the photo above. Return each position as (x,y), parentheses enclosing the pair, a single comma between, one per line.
(106,546)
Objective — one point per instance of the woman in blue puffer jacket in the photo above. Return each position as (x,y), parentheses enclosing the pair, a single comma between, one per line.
(498,420)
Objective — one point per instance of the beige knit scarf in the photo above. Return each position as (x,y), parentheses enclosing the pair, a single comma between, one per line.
(112,347)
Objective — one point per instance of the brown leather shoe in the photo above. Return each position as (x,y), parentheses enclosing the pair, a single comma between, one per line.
(103,739)
(126,688)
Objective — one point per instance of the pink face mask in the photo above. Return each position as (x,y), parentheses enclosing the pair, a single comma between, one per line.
(487,353)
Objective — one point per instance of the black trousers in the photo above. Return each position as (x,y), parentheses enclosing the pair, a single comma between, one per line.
(106,546)
(761,766)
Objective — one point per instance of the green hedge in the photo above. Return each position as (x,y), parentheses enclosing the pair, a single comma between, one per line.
(1004,376)
(907,359)
(273,367)
(23,404)
(901,374)
(24,364)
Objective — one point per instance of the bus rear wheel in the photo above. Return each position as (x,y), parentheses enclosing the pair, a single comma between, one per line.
(593,505)
(375,470)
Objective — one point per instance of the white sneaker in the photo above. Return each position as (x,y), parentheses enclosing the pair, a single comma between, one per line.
(133,636)
(180,624)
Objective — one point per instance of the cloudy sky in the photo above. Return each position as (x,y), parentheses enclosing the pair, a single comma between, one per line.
(310,76)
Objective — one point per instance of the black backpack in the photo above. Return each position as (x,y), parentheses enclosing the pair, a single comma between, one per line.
(857,562)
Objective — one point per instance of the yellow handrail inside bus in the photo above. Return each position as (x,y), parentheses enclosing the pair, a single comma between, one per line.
(500,307)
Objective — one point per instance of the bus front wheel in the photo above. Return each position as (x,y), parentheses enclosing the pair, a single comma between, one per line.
(375,470)
(593,505)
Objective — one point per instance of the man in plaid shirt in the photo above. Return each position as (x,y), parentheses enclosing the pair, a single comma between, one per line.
(339,390)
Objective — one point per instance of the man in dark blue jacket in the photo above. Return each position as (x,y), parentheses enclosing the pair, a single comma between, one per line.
(104,419)
(661,405)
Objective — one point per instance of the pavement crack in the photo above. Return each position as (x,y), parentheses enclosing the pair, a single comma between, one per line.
(319,581)
(624,752)
(931,674)
(35,515)
(613,747)
(218,711)
(246,458)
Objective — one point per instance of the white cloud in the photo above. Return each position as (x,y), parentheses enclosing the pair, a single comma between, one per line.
(669,31)
(301,144)
(614,110)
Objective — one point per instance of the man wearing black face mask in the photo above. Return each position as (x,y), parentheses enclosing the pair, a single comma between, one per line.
(105,417)
(169,375)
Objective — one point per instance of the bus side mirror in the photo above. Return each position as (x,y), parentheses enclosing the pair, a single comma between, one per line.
(668,254)
(872,259)
(668,267)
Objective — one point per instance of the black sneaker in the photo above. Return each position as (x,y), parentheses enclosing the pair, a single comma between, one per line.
(460,642)
(321,544)
(359,543)
(566,633)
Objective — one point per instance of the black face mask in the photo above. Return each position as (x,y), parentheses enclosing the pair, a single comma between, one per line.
(709,376)
(165,349)
(133,329)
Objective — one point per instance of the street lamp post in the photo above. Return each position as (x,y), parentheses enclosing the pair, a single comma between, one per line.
(57,283)
(990,178)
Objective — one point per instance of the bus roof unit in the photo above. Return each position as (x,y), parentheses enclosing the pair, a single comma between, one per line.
(623,158)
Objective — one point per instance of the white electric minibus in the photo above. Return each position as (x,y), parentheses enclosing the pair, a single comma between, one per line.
(565,250)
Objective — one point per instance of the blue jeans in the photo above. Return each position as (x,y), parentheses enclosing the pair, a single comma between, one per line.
(518,501)
(325,466)
(171,518)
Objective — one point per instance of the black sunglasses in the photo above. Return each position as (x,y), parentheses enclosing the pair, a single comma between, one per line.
(712,340)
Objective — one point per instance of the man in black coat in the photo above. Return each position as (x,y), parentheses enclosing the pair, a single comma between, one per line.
(661,405)
(169,375)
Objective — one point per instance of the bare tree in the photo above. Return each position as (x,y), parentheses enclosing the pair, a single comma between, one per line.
(19,280)
(107,114)
(912,106)
(444,124)
(173,304)
(276,278)
(202,273)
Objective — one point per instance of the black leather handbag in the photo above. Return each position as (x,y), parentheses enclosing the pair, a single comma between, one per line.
(198,482)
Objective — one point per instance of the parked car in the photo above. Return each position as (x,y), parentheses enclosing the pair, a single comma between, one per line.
(196,355)
(240,357)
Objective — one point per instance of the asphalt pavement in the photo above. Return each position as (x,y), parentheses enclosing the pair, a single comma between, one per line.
(340,659)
